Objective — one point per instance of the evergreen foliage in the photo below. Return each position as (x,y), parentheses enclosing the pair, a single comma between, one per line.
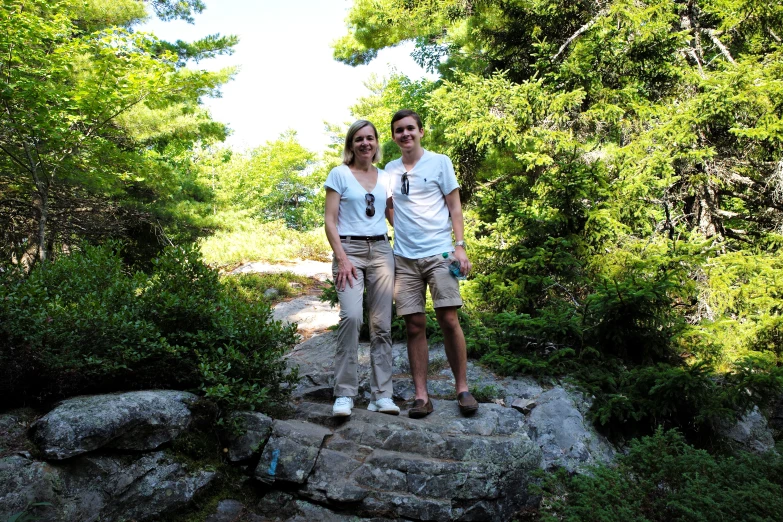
(621,164)
(662,478)
(85,324)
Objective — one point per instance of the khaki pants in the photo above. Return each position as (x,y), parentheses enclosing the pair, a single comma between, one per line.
(374,264)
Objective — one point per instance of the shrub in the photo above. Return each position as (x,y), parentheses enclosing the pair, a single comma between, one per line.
(662,478)
(85,324)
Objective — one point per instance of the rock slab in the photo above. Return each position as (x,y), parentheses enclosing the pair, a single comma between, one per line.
(139,421)
(443,467)
(291,451)
(565,437)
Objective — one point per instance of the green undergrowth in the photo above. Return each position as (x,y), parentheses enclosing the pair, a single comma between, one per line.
(634,399)
(86,323)
(251,287)
(664,479)
(630,329)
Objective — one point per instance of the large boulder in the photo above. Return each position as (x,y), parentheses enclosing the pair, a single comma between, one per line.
(106,488)
(141,421)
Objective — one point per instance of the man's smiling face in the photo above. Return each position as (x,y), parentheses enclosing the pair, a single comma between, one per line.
(407,134)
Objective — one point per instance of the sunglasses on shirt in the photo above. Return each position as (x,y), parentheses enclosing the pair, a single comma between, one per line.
(370,210)
(406,186)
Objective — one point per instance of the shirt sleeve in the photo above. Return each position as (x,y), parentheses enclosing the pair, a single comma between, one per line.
(447,179)
(335,180)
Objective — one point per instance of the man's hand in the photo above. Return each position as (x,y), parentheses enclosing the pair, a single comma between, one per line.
(464,263)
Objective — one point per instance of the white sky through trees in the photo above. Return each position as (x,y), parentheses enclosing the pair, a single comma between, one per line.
(288,78)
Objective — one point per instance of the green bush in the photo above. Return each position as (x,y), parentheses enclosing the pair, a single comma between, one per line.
(85,324)
(662,478)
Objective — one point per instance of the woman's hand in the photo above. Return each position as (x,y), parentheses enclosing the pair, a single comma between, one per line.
(346,273)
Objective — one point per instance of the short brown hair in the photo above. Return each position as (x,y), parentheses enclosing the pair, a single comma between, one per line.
(404,113)
(348,147)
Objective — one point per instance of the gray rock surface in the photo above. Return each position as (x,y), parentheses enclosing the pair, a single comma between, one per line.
(92,488)
(315,359)
(24,481)
(750,432)
(256,428)
(443,467)
(228,511)
(281,507)
(291,451)
(566,438)
(141,420)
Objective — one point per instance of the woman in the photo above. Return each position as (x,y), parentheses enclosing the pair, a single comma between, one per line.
(356,194)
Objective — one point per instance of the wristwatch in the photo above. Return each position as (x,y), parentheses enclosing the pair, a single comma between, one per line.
(460,243)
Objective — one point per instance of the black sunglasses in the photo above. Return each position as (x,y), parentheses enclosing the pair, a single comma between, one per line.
(370,199)
(406,186)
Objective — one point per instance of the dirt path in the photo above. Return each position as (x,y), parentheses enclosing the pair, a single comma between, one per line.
(312,315)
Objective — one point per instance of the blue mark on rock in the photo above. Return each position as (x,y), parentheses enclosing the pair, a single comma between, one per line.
(273,465)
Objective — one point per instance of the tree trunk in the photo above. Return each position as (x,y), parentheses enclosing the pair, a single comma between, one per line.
(702,209)
(41,204)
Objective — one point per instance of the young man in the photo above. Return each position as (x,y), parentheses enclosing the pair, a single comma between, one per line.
(425,209)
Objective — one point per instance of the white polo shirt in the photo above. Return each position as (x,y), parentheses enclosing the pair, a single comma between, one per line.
(422,223)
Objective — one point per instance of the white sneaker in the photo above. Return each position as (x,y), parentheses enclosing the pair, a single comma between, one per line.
(342,407)
(385,405)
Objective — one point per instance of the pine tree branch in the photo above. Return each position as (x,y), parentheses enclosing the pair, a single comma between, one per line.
(578,32)
(713,34)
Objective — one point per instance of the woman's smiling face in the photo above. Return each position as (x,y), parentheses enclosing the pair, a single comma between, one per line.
(364,143)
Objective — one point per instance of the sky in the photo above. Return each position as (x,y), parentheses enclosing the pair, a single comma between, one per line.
(287,78)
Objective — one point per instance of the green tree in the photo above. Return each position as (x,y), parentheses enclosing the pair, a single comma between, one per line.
(279,180)
(622,167)
(76,86)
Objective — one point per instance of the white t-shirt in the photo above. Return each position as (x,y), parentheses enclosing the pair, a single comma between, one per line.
(352,219)
(422,223)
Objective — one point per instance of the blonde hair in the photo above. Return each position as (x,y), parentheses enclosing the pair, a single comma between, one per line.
(348,147)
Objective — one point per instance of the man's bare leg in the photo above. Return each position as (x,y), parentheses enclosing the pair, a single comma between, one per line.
(418,352)
(454,341)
